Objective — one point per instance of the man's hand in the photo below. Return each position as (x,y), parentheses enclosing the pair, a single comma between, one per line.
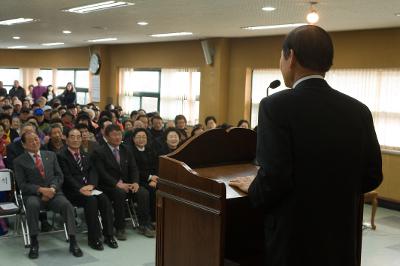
(125,187)
(88,187)
(242,183)
(153,184)
(47,192)
(84,191)
(134,187)
(154,178)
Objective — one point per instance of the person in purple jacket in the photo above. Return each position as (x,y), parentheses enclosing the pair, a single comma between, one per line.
(38,90)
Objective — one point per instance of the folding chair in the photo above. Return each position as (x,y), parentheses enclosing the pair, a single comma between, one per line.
(53,222)
(131,212)
(13,207)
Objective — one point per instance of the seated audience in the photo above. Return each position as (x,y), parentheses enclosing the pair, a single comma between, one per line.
(197,130)
(147,163)
(169,142)
(40,179)
(80,180)
(118,178)
(180,124)
(56,142)
(210,122)
(243,123)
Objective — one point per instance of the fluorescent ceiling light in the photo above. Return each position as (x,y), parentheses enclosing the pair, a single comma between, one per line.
(16,37)
(66,32)
(17,47)
(98,7)
(269,8)
(270,27)
(143,23)
(52,43)
(103,40)
(14,21)
(172,34)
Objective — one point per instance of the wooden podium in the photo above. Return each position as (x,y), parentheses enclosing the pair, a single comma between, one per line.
(201,220)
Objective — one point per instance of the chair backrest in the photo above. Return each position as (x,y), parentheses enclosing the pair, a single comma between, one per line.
(6,180)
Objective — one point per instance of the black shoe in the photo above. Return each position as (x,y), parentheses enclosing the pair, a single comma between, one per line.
(147,231)
(121,235)
(97,245)
(74,249)
(34,250)
(111,242)
(45,226)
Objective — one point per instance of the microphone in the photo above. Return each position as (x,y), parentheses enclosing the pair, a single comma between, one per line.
(273,85)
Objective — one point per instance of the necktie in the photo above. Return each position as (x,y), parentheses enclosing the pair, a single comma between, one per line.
(39,164)
(78,160)
(116,155)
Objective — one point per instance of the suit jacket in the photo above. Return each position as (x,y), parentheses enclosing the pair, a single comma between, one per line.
(108,169)
(73,175)
(318,153)
(28,176)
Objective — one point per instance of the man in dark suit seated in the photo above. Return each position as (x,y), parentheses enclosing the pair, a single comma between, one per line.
(80,182)
(118,178)
(40,179)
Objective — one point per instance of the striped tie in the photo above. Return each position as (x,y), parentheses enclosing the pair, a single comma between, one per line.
(78,160)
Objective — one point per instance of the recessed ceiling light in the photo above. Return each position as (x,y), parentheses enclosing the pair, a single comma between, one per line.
(269,8)
(52,43)
(66,31)
(172,34)
(14,21)
(98,7)
(17,47)
(270,27)
(397,14)
(16,37)
(143,23)
(103,40)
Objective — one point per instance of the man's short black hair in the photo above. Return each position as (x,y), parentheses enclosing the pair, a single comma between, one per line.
(69,130)
(81,126)
(312,47)
(23,137)
(39,78)
(111,128)
(5,116)
(103,120)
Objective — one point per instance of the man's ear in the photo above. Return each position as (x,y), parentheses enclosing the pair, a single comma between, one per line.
(292,58)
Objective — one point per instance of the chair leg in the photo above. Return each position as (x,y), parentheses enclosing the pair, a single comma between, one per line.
(66,233)
(374,204)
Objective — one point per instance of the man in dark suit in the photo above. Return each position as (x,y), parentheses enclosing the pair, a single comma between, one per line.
(318,153)
(39,177)
(80,182)
(103,123)
(118,178)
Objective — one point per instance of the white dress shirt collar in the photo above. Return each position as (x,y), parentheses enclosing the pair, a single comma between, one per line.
(306,78)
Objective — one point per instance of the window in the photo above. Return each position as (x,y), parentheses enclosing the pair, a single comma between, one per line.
(260,80)
(168,91)
(180,94)
(8,75)
(376,88)
(80,79)
(47,76)
(140,89)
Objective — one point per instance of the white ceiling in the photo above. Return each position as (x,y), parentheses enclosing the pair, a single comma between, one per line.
(205,18)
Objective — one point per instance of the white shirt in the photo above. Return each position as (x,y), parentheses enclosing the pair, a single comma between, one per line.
(306,78)
(33,156)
